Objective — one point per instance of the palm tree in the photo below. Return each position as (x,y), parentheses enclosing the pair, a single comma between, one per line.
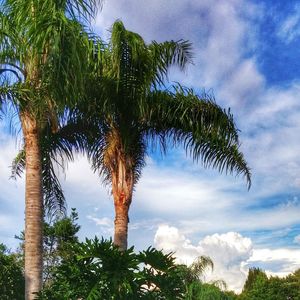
(130,109)
(42,55)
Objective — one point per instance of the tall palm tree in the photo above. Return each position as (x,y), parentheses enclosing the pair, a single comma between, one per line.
(130,109)
(42,55)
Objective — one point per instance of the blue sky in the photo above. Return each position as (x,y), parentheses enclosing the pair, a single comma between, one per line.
(247,53)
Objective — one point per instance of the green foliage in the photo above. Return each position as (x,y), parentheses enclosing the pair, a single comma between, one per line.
(195,288)
(255,276)
(205,291)
(59,237)
(100,271)
(132,109)
(196,270)
(12,282)
(45,49)
(259,287)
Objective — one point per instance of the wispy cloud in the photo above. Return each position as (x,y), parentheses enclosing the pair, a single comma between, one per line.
(297,239)
(289,29)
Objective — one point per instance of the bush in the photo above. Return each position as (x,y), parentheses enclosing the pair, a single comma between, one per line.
(100,271)
(12,283)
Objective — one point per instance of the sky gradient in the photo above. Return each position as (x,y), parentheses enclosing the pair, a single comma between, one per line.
(247,54)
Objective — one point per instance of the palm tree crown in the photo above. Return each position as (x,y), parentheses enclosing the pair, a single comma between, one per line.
(130,109)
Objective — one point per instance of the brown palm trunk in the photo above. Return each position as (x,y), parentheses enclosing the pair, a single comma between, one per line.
(33,209)
(122,188)
(121,223)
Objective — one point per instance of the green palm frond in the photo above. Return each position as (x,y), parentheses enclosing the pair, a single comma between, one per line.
(200,265)
(206,131)
(54,200)
(18,165)
(44,39)
(166,54)
(196,271)
(57,149)
(139,65)
(219,283)
(130,113)
(86,9)
(45,54)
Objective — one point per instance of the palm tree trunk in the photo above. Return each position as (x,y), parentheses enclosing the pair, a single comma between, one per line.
(33,209)
(121,224)
(122,188)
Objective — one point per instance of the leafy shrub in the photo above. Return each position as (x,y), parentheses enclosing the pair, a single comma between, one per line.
(12,283)
(99,270)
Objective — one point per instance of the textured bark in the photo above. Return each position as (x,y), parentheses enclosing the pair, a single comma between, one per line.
(33,209)
(122,188)
(121,224)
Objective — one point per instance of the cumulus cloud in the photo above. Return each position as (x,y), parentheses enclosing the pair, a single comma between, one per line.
(231,253)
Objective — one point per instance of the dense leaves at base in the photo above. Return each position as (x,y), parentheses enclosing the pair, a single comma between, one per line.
(259,287)
(204,291)
(12,282)
(100,271)
(59,237)
(96,269)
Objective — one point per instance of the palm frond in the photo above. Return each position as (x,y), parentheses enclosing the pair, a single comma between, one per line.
(18,165)
(200,265)
(57,149)
(170,53)
(219,283)
(132,115)
(206,131)
(86,9)
(54,200)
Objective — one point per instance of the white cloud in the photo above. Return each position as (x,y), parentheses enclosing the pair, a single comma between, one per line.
(284,260)
(289,29)
(107,222)
(105,226)
(297,239)
(244,84)
(231,253)
(199,201)
(12,203)
(203,202)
